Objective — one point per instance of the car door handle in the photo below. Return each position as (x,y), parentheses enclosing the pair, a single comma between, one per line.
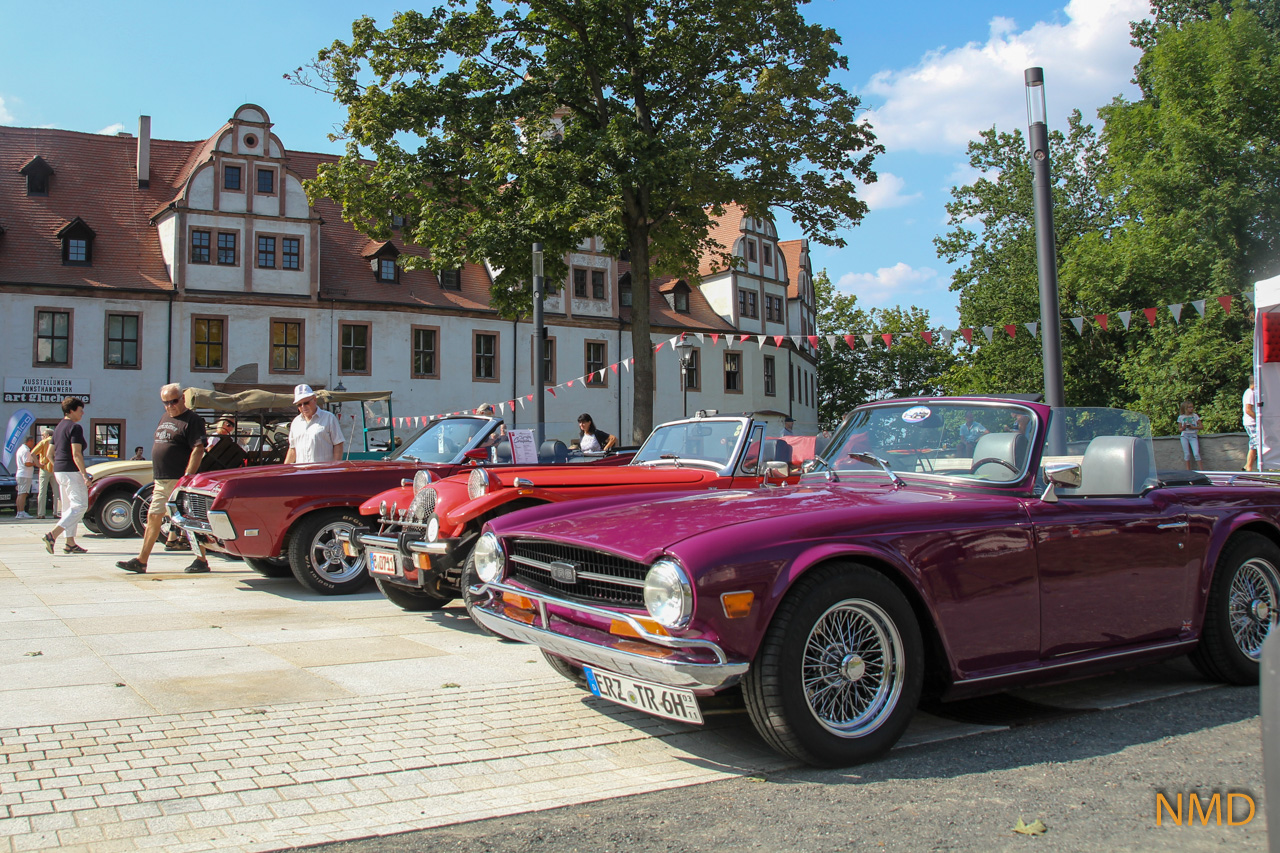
(1172,525)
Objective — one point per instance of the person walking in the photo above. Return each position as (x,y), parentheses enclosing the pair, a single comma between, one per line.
(593,440)
(1249,402)
(1189,423)
(177,451)
(315,434)
(24,469)
(72,477)
(48,490)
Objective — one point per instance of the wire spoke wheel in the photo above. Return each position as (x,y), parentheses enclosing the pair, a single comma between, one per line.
(852,668)
(1253,605)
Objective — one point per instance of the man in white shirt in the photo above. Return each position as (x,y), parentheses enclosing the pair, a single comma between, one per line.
(24,470)
(315,434)
(1250,419)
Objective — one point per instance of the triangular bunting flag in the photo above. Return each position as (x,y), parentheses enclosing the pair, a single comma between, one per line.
(658,348)
(520,400)
(797,340)
(600,373)
(529,397)
(1225,302)
(1125,317)
(888,340)
(569,384)
(867,339)
(715,338)
(1176,311)
(778,339)
(1151,316)
(928,338)
(1078,322)
(989,331)
(813,341)
(742,339)
(1199,306)
(760,339)
(699,336)
(946,337)
(502,408)
(551,391)
(1252,297)
(849,339)
(1012,329)
(1031,327)
(675,339)
(831,342)
(1101,320)
(614,368)
(968,336)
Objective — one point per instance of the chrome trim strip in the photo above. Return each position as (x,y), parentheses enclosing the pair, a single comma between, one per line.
(187,523)
(1120,654)
(595,576)
(220,524)
(1172,525)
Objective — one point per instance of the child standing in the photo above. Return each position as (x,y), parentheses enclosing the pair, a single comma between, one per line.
(1189,422)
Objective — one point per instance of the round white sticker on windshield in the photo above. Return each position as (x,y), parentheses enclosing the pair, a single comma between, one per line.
(916,414)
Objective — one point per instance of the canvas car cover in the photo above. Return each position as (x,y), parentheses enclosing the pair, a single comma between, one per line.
(257,401)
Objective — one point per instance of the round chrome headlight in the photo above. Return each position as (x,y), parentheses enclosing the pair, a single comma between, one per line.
(382,509)
(477,483)
(668,595)
(424,503)
(488,557)
(433,528)
(421,480)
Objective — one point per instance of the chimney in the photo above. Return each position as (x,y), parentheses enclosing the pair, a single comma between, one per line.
(144,152)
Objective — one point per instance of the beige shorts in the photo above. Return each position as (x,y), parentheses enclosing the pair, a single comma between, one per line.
(160,497)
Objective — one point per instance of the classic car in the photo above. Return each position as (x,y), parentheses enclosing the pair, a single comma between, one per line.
(898,565)
(419,556)
(121,489)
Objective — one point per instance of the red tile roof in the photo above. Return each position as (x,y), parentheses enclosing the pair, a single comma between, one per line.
(701,316)
(725,230)
(791,251)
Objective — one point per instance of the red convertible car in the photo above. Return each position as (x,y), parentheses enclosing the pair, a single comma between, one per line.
(909,560)
(425,533)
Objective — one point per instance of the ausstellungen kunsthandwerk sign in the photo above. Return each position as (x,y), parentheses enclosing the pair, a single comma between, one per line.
(32,389)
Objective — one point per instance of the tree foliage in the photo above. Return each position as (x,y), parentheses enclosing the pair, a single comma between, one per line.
(849,377)
(495,125)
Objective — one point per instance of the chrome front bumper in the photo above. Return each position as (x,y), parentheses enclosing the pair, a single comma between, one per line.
(218,525)
(392,543)
(600,649)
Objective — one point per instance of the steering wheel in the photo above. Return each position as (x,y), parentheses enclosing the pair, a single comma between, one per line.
(976,465)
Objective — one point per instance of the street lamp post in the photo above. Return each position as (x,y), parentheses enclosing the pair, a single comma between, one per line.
(684,350)
(1046,249)
(539,346)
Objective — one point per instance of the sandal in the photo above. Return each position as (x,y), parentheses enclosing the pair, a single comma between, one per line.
(133,564)
(48,542)
(73,549)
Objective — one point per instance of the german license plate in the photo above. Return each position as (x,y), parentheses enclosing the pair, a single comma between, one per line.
(383,563)
(670,702)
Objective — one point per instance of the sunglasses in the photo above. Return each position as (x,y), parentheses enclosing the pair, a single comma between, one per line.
(302,403)
(175,401)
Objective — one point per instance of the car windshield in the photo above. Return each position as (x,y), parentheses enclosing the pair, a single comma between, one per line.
(446,439)
(703,442)
(955,438)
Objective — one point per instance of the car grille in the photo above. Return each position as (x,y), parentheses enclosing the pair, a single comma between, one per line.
(194,506)
(602,578)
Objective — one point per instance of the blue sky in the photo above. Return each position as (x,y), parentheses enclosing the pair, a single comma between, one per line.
(931,73)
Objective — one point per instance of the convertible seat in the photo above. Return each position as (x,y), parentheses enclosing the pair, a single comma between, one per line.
(502,452)
(1113,465)
(1009,447)
(553,450)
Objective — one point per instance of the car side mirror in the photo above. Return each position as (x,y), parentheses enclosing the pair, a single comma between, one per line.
(776,472)
(1068,475)
(479,454)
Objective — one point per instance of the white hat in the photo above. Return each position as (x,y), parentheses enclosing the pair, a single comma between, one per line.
(302,392)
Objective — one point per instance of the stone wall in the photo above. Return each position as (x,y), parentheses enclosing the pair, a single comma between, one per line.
(1218,452)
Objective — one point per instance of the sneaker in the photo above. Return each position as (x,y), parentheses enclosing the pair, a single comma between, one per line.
(22,515)
(197,567)
(133,564)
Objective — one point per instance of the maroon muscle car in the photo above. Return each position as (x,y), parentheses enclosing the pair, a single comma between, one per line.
(900,564)
(282,519)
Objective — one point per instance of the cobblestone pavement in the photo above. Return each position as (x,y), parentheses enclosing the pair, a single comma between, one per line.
(231,712)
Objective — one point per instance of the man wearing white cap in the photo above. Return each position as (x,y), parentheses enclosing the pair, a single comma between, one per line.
(315,434)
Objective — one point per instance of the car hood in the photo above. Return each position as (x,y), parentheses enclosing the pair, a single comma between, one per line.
(300,473)
(642,528)
(118,468)
(568,476)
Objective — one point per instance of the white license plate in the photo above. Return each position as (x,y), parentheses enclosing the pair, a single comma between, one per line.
(670,702)
(383,563)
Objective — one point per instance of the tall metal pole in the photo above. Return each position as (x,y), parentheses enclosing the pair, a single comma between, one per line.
(1046,250)
(539,345)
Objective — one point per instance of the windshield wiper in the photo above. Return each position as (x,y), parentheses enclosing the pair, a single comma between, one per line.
(671,456)
(872,459)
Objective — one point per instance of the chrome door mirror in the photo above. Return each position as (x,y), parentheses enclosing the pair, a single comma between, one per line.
(1068,475)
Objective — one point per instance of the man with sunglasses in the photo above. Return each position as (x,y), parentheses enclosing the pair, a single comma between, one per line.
(178,449)
(315,434)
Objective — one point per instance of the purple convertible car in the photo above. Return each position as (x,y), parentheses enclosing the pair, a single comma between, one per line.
(925,552)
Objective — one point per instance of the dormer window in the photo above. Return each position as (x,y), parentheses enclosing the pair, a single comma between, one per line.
(451,279)
(382,260)
(77,244)
(682,298)
(387,269)
(37,173)
(397,220)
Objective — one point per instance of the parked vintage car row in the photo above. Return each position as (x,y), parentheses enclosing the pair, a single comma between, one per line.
(901,563)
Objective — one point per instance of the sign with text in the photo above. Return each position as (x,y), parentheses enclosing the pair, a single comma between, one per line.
(33,389)
(524,446)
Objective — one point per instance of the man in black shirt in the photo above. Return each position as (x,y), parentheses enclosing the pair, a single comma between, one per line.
(178,449)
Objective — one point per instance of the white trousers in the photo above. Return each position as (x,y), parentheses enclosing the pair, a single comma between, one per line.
(75,498)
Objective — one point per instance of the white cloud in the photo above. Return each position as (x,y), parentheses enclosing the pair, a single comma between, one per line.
(943,101)
(888,285)
(6,117)
(886,192)
(112,129)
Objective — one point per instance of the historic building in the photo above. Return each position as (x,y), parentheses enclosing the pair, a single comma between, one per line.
(128,262)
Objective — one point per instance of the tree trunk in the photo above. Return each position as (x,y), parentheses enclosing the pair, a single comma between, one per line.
(641,346)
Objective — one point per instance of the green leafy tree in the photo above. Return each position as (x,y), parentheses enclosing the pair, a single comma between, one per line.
(848,377)
(492,126)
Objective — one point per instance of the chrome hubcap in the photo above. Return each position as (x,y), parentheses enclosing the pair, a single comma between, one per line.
(852,668)
(1251,605)
(329,559)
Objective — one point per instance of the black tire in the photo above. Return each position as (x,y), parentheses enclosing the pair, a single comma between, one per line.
(413,600)
(571,671)
(140,506)
(270,567)
(113,513)
(811,638)
(317,559)
(1243,607)
(470,601)
(89,523)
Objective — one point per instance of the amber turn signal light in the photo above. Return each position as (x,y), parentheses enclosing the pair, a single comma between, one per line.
(624,629)
(518,601)
(737,604)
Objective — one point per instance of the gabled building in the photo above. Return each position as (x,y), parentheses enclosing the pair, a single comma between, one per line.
(128,262)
